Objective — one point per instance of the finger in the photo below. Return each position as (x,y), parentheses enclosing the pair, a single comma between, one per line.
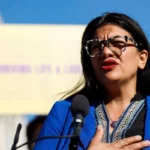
(127,141)
(98,134)
(137,146)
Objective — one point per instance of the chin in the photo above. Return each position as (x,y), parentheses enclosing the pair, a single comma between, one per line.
(109,79)
(112,76)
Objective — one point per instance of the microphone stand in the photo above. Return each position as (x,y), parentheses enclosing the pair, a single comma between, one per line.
(74,143)
(16,138)
(78,124)
(44,138)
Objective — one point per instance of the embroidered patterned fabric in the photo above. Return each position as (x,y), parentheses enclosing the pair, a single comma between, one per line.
(130,123)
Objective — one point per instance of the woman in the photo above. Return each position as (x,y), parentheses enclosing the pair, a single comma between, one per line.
(114,54)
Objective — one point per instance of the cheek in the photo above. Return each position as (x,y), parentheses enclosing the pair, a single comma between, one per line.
(130,60)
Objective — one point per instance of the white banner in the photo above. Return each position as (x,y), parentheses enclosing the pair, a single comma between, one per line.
(37,62)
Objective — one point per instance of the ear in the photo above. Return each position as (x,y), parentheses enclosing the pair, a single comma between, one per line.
(143,59)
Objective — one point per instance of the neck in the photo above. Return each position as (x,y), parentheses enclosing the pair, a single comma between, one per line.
(120,93)
(118,97)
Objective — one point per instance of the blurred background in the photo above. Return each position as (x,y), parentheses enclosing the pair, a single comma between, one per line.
(40,54)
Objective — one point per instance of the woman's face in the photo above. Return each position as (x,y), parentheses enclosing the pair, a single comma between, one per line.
(110,67)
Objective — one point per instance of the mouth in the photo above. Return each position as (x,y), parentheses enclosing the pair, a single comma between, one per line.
(107,65)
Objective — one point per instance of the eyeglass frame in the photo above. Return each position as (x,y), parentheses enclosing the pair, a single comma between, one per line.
(106,43)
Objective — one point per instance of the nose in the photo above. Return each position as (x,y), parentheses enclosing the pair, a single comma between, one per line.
(106,52)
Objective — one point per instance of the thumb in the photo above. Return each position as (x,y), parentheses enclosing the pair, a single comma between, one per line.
(98,134)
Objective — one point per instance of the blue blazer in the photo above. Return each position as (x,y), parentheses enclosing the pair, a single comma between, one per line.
(59,122)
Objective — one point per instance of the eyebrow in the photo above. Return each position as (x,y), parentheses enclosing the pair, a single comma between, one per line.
(115,35)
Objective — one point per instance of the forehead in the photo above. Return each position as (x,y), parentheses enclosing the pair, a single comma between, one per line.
(108,31)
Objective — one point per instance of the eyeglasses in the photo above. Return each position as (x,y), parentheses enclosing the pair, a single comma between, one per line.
(116,44)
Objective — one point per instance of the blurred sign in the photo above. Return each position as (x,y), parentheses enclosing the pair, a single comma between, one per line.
(37,62)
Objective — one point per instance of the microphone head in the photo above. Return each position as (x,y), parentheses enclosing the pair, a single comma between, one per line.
(80,104)
(145,83)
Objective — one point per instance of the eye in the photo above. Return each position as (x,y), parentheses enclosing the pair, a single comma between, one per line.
(96,46)
(117,43)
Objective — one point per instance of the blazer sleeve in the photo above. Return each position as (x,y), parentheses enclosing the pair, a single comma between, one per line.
(53,126)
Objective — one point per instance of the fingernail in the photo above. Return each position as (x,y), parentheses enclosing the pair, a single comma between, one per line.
(99,127)
(147,143)
(138,137)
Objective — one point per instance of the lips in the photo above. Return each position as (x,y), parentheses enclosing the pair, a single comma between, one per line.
(109,64)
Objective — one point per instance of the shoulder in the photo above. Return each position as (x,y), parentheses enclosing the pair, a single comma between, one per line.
(60,109)
(56,118)
(67,102)
(62,104)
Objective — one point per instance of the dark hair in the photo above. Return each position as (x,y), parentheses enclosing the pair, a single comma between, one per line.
(124,22)
(33,129)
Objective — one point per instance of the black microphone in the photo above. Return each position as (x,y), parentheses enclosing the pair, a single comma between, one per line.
(16,139)
(79,108)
